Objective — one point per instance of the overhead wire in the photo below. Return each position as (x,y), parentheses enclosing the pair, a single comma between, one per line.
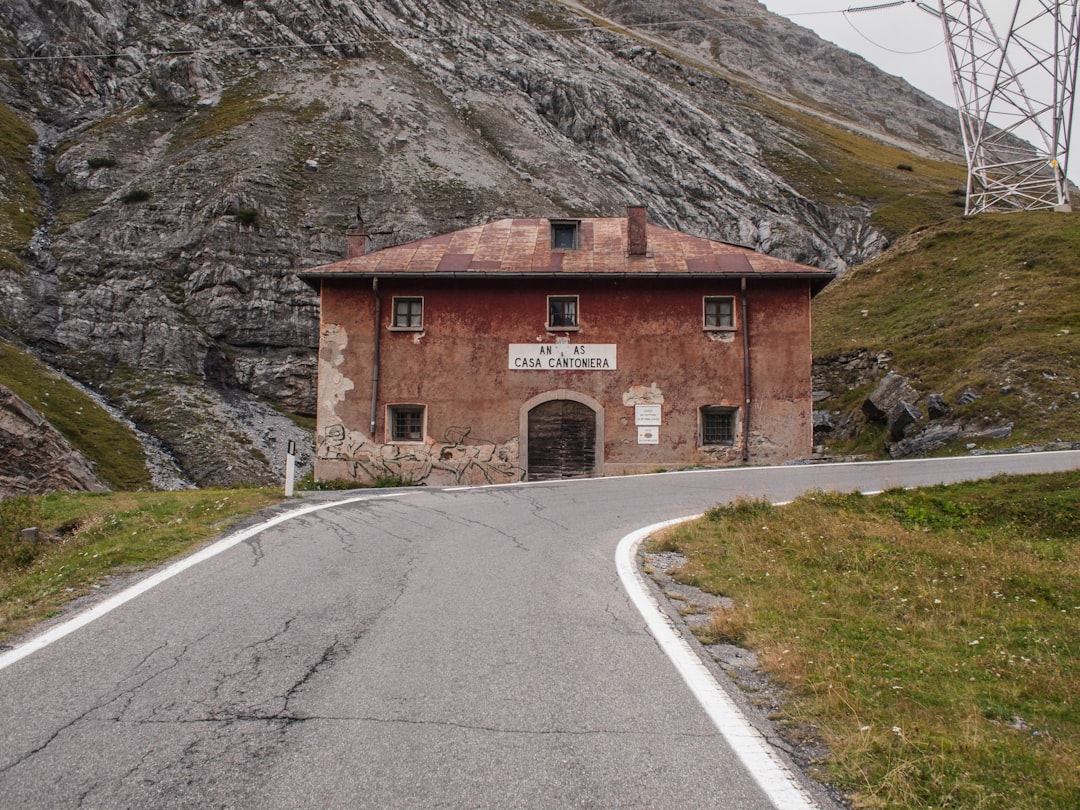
(365,42)
(879,7)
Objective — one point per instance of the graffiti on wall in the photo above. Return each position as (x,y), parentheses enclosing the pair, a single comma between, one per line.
(454,460)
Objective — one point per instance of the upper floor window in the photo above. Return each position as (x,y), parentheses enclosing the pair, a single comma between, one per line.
(408,313)
(720,312)
(564,235)
(562,312)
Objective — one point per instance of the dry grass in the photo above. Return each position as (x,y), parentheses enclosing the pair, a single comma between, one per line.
(931,634)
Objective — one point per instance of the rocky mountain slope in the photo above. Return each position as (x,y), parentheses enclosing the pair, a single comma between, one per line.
(167,167)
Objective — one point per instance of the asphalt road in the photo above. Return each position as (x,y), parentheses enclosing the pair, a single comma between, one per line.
(422,648)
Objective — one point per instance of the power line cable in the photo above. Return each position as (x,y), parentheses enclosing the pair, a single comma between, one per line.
(368,42)
(855,28)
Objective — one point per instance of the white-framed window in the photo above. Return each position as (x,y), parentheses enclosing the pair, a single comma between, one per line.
(565,234)
(408,313)
(717,426)
(562,312)
(719,311)
(405,423)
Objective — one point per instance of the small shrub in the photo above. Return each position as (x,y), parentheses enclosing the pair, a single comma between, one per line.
(386,481)
(101,162)
(136,195)
(16,514)
(247,216)
(726,625)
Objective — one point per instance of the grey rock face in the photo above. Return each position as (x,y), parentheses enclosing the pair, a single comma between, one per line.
(34,457)
(221,147)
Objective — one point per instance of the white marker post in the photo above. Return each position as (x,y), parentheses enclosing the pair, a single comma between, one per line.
(290,470)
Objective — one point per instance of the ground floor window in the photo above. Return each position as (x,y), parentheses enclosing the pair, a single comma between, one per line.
(406,423)
(717,425)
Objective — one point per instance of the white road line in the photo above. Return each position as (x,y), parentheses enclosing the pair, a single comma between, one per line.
(755,753)
(82,619)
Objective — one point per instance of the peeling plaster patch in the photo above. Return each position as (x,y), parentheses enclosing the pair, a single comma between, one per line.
(418,337)
(721,337)
(333,385)
(643,395)
(351,454)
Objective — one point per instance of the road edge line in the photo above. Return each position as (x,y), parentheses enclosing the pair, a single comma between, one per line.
(770,773)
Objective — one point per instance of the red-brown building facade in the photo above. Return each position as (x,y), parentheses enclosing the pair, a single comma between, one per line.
(548,348)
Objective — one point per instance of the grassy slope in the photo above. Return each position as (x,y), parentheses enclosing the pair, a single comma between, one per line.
(839,167)
(927,635)
(988,303)
(88,538)
(20,202)
(115,451)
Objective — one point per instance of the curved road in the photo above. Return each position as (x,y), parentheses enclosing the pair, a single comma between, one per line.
(420,648)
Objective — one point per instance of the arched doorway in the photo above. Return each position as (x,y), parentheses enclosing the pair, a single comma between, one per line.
(564,436)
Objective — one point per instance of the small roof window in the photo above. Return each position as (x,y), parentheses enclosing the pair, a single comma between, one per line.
(565,234)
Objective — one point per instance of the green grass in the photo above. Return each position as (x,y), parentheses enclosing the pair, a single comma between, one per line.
(987,303)
(928,635)
(20,201)
(240,104)
(115,451)
(87,538)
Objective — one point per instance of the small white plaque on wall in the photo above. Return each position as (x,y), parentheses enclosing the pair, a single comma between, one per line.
(647,414)
(648,434)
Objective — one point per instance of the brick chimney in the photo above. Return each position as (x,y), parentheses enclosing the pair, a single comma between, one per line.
(637,242)
(358,240)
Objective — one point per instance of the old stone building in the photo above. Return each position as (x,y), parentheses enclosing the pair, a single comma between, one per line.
(553,348)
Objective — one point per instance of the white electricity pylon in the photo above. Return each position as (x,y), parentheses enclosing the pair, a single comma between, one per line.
(1024,81)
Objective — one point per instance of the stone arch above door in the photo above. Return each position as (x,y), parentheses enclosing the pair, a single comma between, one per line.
(569,396)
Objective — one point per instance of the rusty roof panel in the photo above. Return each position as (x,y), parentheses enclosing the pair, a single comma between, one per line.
(703,264)
(736,263)
(454,261)
(523,247)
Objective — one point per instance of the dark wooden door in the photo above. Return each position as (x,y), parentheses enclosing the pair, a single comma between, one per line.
(562,440)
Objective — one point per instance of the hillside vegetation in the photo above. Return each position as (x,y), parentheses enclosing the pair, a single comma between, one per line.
(110,445)
(985,304)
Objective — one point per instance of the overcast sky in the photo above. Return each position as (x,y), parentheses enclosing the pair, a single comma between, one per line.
(903,40)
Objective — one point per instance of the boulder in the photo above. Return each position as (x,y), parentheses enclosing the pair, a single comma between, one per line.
(823,422)
(901,417)
(936,407)
(892,389)
(926,441)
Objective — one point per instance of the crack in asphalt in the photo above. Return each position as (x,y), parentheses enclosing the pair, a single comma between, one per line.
(536,509)
(256,546)
(123,696)
(287,720)
(328,660)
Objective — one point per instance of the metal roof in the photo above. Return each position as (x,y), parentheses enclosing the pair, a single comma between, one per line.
(520,247)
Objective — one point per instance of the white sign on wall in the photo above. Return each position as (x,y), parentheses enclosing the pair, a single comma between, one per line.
(647,415)
(562,356)
(648,435)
